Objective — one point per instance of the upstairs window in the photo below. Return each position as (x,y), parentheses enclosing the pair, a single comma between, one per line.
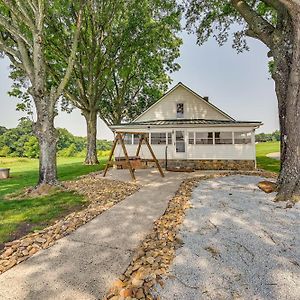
(223,137)
(242,137)
(179,110)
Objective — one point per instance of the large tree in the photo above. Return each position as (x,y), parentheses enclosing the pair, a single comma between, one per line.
(122,66)
(144,61)
(102,25)
(276,23)
(25,39)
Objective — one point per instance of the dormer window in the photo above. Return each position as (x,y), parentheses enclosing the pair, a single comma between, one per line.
(180,110)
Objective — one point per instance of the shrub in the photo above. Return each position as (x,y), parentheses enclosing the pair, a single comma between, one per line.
(68,152)
(4,151)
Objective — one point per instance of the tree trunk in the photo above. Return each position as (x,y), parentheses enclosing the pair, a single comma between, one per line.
(47,137)
(287,81)
(91,124)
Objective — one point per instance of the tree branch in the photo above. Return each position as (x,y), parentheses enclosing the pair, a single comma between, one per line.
(19,12)
(9,50)
(15,62)
(13,30)
(24,57)
(72,57)
(274,3)
(262,28)
(32,5)
(289,3)
(74,100)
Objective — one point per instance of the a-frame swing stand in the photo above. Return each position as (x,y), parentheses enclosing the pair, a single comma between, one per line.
(119,138)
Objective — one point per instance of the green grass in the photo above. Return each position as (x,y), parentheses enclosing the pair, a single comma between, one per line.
(19,216)
(264,162)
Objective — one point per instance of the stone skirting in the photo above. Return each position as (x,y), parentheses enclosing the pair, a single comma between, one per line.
(201,164)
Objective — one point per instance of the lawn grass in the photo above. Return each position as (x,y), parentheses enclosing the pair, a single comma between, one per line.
(19,216)
(264,162)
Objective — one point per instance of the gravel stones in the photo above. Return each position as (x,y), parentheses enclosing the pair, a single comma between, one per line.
(238,246)
(102,194)
(151,261)
(152,258)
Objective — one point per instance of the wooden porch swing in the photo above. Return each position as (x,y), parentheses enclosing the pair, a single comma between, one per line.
(131,162)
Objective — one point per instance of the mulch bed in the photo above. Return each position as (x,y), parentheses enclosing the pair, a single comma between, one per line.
(102,195)
(155,254)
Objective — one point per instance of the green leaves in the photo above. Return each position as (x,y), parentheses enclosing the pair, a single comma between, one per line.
(146,56)
(214,18)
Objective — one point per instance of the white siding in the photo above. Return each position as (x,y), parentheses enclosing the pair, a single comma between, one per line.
(194,107)
(228,152)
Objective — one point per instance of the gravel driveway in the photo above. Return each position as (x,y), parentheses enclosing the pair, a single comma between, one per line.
(238,244)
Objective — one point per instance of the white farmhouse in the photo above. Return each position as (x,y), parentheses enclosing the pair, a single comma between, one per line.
(188,131)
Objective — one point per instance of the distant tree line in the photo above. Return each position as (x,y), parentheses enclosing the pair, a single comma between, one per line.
(268,137)
(21,142)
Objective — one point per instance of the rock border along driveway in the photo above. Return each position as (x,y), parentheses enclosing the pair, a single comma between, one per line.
(156,252)
(100,194)
(84,264)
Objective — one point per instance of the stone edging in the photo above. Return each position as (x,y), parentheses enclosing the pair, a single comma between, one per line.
(21,249)
(155,254)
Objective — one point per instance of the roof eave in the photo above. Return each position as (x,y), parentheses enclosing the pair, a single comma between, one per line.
(147,126)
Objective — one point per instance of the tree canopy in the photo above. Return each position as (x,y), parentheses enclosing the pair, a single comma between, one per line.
(122,67)
(150,47)
(21,142)
(276,23)
(28,38)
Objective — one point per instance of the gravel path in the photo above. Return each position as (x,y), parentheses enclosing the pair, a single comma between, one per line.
(238,244)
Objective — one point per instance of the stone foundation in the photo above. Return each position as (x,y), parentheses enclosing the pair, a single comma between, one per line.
(198,164)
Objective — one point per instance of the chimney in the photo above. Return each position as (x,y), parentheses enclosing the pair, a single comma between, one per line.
(206,98)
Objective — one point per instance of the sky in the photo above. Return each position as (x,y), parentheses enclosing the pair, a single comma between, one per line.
(239,84)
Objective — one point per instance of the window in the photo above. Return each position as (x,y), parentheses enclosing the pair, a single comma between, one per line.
(169,138)
(180,141)
(223,137)
(158,138)
(128,139)
(203,138)
(242,137)
(180,110)
(191,138)
(136,139)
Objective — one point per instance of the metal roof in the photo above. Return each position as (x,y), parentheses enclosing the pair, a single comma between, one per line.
(189,122)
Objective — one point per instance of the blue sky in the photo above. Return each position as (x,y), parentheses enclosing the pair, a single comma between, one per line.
(239,84)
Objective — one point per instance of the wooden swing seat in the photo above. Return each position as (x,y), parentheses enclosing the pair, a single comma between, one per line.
(135,161)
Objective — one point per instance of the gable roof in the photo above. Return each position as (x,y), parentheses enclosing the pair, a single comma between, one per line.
(189,90)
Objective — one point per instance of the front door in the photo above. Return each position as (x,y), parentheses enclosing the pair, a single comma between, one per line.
(180,144)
